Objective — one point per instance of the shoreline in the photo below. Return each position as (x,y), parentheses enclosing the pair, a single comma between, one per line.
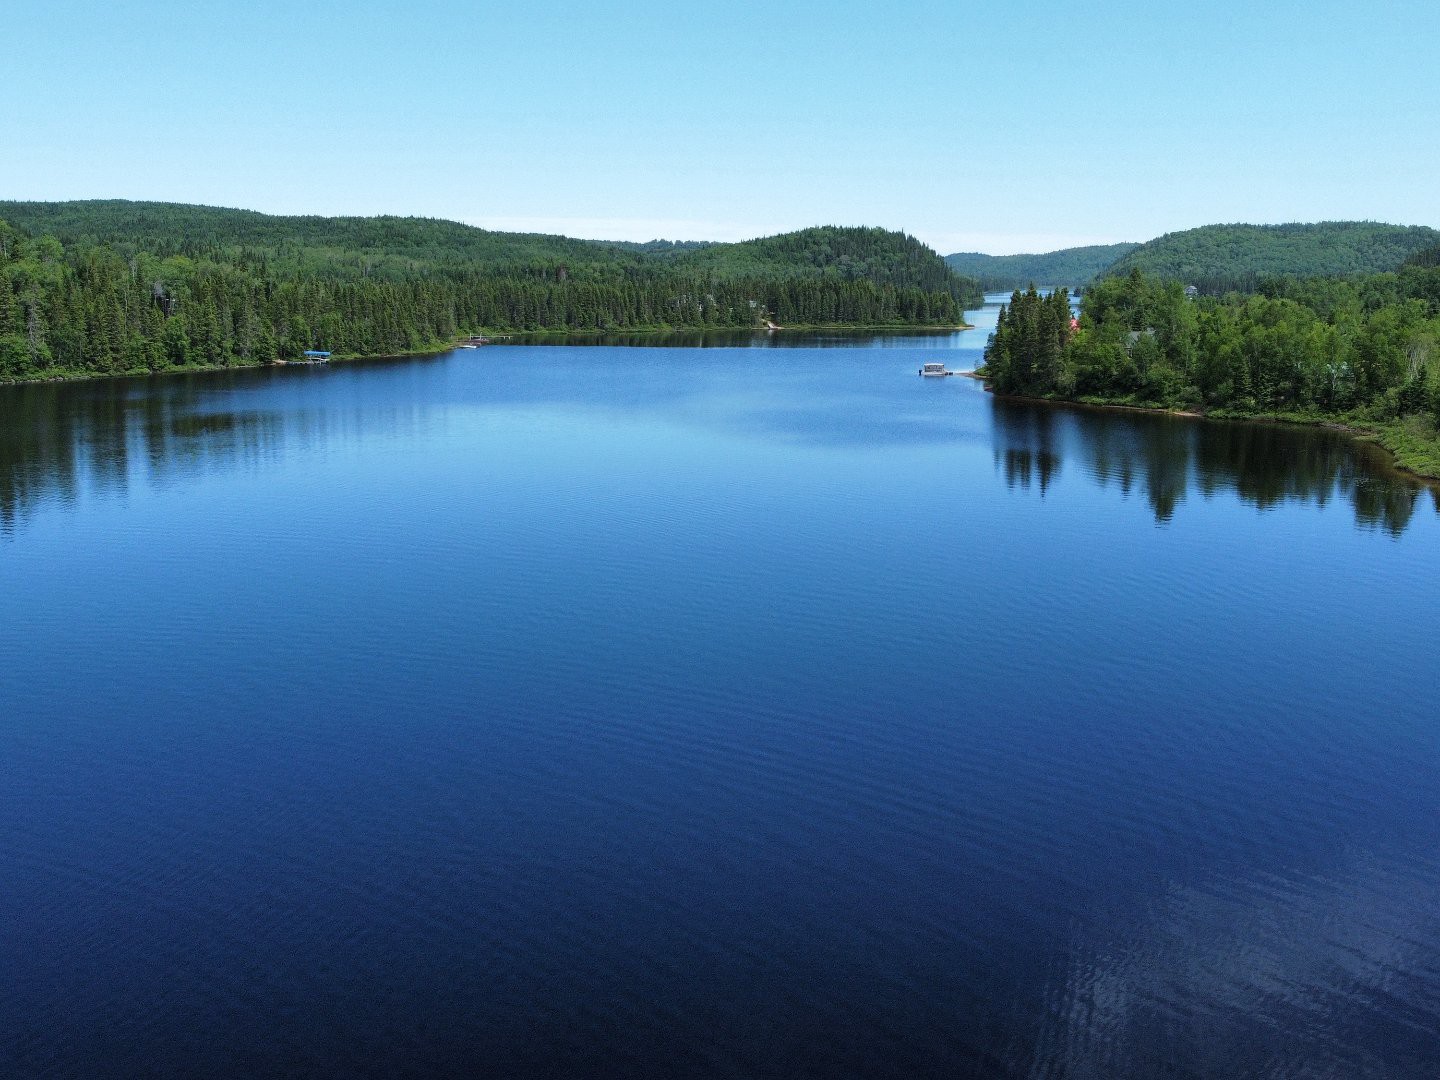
(805,328)
(56,378)
(518,336)
(1373,434)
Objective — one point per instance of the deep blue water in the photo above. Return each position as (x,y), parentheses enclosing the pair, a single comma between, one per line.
(734,711)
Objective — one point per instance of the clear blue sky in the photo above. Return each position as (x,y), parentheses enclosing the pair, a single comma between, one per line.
(995,127)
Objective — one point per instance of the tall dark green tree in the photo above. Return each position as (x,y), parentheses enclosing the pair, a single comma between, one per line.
(1024,354)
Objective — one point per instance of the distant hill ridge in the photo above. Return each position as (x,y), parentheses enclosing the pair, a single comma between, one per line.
(1221,258)
(175,228)
(391,246)
(1068,266)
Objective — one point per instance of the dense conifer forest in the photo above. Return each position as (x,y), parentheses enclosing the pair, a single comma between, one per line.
(94,288)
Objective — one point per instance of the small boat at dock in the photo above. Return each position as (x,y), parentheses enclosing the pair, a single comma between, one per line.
(935,370)
(311,356)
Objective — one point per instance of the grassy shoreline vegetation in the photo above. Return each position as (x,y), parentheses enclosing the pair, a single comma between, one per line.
(111,288)
(1358,353)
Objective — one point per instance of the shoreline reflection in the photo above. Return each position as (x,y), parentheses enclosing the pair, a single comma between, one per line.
(1169,457)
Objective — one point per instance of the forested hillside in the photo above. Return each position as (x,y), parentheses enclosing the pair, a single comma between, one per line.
(1223,258)
(1068,266)
(403,246)
(1426,258)
(847,254)
(374,246)
(110,287)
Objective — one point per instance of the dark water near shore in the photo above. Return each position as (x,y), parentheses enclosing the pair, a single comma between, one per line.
(738,710)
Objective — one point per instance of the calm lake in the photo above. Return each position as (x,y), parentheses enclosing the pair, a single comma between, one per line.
(649,709)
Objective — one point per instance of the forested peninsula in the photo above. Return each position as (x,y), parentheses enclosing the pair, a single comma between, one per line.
(1358,351)
(115,287)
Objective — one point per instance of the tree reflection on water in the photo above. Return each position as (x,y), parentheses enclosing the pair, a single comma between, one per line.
(1169,457)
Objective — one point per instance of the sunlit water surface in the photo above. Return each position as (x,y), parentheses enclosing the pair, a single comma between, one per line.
(736,710)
